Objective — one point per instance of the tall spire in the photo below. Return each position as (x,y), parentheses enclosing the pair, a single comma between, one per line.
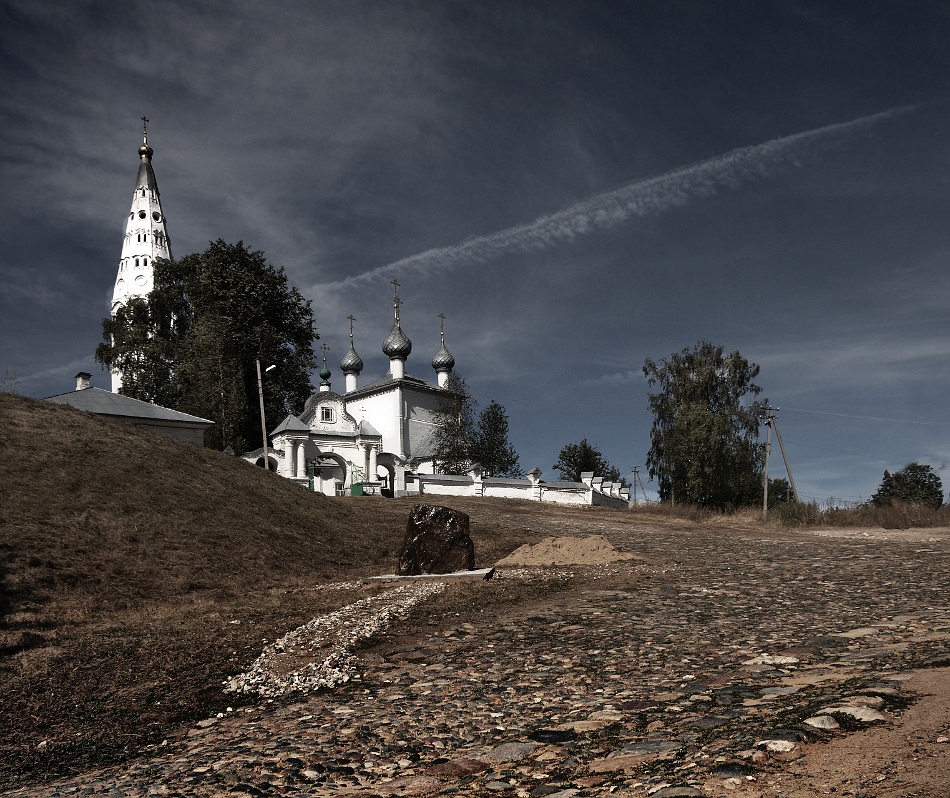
(146,237)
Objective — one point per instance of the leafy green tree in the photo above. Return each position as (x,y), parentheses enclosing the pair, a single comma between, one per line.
(914,484)
(704,446)
(455,428)
(780,491)
(191,344)
(576,458)
(491,447)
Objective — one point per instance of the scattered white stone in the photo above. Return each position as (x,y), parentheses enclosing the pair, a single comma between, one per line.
(821,722)
(339,631)
(778,746)
(864,714)
(770,659)
(943,739)
(864,631)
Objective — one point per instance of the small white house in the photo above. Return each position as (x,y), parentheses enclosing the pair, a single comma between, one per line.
(154,418)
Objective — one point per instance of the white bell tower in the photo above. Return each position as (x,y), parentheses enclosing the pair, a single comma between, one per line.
(146,238)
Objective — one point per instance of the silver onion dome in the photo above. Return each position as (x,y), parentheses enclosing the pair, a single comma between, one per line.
(443,360)
(352,362)
(397,345)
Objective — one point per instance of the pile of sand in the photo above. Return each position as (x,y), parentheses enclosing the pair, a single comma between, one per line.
(593,550)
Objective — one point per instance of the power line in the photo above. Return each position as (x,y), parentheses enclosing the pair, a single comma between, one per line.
(841,451)
(869,418)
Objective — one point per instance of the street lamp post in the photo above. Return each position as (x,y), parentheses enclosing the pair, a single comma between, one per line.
(260,395)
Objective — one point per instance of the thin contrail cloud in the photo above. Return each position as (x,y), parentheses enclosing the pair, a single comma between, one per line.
(640,198)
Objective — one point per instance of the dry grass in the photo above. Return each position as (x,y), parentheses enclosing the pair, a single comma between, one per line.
(896,516)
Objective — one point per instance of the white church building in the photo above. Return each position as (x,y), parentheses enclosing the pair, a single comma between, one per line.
(376,438)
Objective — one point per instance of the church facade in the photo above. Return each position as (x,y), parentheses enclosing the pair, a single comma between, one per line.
(374,438)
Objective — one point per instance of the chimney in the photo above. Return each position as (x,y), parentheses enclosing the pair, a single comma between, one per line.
(82,380)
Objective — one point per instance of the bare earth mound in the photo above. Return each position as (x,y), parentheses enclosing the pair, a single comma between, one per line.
(593,550)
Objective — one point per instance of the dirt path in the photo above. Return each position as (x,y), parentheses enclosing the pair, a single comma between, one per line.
(909,757)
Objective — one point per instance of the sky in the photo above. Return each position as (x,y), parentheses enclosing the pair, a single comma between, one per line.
(577,186)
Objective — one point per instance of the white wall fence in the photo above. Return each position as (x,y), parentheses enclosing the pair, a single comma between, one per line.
(590,490)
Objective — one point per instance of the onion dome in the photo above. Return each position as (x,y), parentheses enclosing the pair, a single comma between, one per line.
(443,360)
(324,373)
(352,362)
(397,345)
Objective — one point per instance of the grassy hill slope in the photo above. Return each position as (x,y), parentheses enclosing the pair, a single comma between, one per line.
(138,571)
(97,506)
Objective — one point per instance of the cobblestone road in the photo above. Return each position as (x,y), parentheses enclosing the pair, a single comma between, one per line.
(686,672)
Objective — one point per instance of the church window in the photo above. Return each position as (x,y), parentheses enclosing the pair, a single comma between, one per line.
(142,214)
(156,216)
(136,262)
(326,414)
(145,261)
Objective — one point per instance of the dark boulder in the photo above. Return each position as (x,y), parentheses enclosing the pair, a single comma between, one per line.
(437,542)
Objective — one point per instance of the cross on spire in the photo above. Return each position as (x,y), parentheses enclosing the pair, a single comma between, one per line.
(352,318)
(325,349)
(442,326)
(145,129)
(396,300)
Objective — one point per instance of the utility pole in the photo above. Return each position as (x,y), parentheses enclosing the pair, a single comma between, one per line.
(768,446)
(635,470)
(260,394)
(791,479)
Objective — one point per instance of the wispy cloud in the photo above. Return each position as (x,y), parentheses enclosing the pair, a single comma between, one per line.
(640,198)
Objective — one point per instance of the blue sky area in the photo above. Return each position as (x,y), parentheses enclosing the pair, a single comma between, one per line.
(578,186)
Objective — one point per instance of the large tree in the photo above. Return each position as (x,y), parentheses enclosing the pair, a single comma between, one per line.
(704,445)
(192,343)
(455,427)
(914,484)
(576,458)
(491,447)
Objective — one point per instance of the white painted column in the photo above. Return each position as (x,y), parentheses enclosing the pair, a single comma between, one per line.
(289,457)
(371,474)
(301,458)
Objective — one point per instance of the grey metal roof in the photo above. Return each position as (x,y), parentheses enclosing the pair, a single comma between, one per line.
(291,424)
(369,430)
(106,403)
(389,381)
